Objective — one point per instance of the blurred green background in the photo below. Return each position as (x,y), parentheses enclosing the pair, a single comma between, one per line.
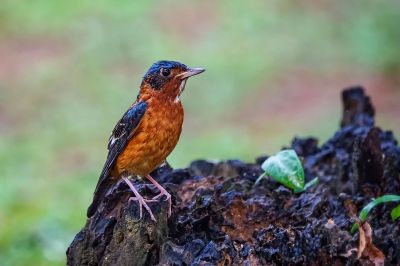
(69,69)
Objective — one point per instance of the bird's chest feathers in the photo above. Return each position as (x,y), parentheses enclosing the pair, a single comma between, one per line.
(163,122)
(155,138)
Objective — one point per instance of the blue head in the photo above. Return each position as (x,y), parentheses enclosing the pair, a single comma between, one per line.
(168,77)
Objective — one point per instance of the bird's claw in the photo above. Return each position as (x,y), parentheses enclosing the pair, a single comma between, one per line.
(142,202)
(168,198)
(162,193)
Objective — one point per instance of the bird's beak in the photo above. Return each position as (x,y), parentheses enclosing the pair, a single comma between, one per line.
(191,72)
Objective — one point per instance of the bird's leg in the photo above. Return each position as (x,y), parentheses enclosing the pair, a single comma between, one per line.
(163,192)
(142,201)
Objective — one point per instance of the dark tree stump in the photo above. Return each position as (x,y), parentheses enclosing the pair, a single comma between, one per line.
(221,218)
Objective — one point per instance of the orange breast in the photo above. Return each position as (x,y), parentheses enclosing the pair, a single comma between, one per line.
(154,139)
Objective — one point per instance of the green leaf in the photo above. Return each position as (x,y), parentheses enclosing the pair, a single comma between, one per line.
(285,167)
(308,185)
(365,211)
(395,213)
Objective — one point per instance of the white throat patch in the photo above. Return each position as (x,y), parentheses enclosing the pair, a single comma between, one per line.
(181,89)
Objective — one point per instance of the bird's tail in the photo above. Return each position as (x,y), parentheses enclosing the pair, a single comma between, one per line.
(104,184)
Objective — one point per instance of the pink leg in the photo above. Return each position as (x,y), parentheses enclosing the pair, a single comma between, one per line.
(142,201)
(163,192)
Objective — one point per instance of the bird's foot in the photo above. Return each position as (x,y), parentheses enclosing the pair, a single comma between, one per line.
(163,192)
(167,198)
(143,203)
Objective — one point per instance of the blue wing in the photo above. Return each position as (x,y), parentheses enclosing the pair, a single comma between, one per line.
(119,138)
(122,133)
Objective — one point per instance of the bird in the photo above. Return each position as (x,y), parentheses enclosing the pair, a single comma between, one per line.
(146,134)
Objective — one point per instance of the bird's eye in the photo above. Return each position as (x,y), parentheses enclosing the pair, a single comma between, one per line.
(165,72)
